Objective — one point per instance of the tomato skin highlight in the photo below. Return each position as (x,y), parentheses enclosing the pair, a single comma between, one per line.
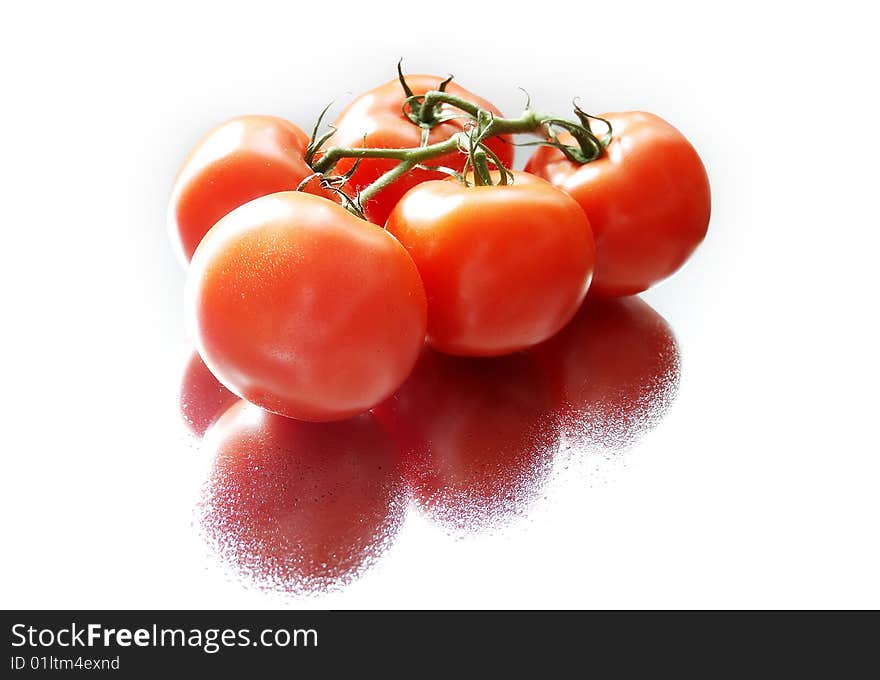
(242,159)
(301,308)
(647,198)
(376,119)
(504,267)
(300,506)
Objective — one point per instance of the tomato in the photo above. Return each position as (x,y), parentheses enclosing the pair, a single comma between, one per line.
(614,370)
(476,436)
(302,308)
(647,200)
(242,159)
(202,398)
(504,267)
(376,119)
(300,506)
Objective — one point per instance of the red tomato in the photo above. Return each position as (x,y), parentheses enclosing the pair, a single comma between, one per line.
(504,267)
(614,371)
(242,159)
(300,506)
(301,308)
(202,398)
(376,119)
(647,199)
(476,434)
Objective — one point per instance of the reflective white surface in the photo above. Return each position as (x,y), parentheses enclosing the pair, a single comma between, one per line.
(758,488)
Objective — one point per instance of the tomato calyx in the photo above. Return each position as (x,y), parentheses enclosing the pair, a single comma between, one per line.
(426,114)
(335,184)
(589,146)
(479,154)
(316,141)
(586,120)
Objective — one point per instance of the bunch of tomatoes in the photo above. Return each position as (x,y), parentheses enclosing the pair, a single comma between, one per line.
(319,265)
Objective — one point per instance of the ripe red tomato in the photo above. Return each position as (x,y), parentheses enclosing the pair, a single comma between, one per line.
(302,308)
(614,370)
(202,398)
(504,267)
(300,506)
(242,159)
(476,435)
(376,119)
(647,199)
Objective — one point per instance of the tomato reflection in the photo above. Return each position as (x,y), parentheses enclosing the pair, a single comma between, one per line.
(300,506)
(202,398)
(305,507)
(476,436)
(614,370)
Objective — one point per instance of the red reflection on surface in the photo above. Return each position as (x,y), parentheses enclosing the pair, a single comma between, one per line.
(202,398)
(614,370)
(300,506)
(475,433)
(304,507)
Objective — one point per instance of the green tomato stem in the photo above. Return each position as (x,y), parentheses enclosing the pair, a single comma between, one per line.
(434,98)
(487,125)
(336,153)
(388,178)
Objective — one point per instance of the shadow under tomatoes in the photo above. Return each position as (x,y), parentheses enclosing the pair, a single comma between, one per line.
(203,399)
(613,371)
(305,507)
(476,436)
(296,506)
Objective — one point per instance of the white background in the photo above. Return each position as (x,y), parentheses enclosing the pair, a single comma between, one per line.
(760,488)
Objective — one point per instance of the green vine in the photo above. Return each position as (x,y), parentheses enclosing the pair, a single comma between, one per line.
(438,106)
